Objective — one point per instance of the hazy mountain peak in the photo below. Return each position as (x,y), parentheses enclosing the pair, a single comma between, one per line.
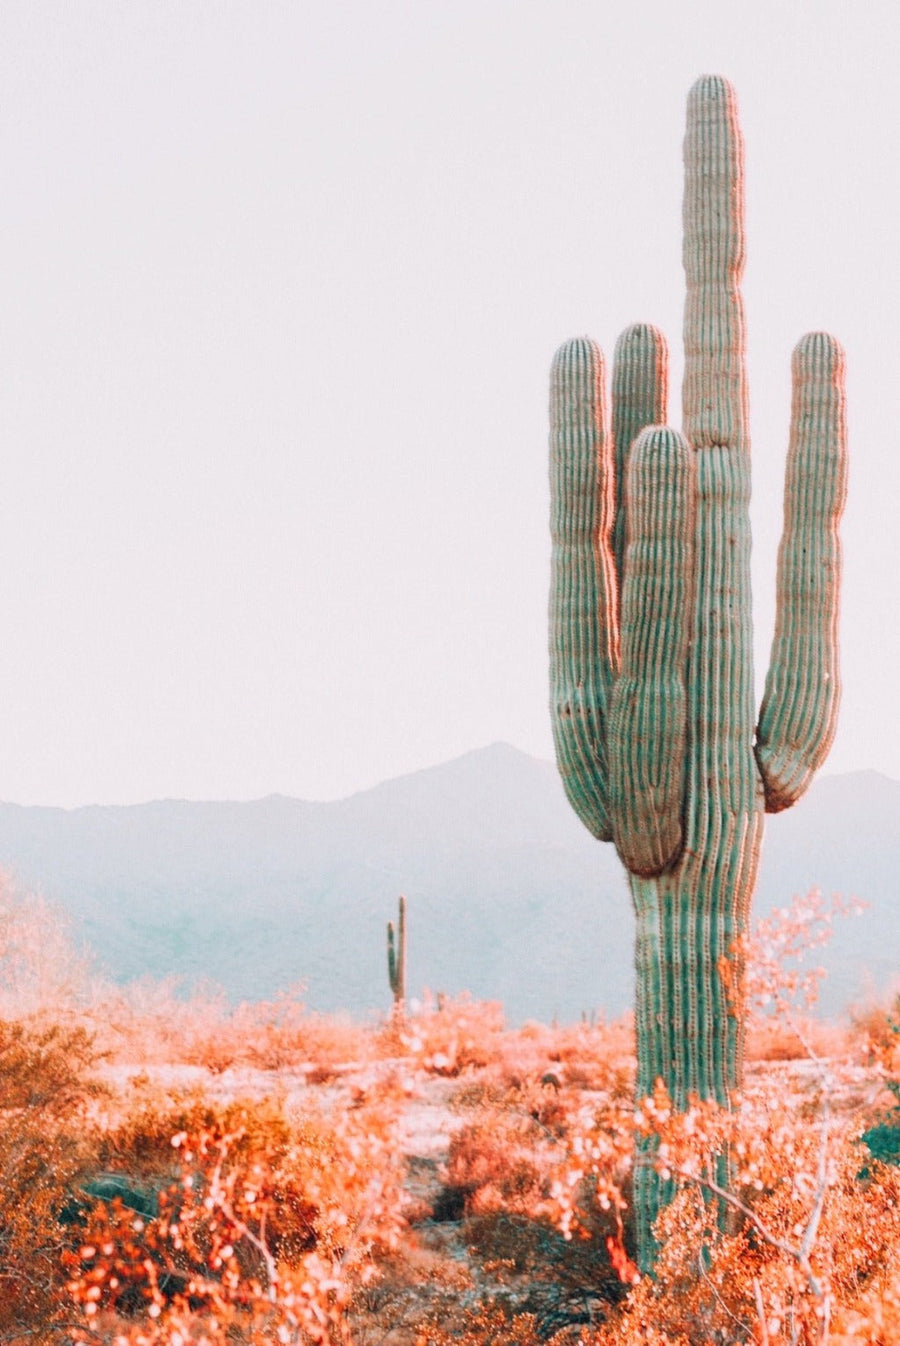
(509,897)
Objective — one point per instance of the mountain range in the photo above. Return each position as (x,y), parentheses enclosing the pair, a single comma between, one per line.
(509,898)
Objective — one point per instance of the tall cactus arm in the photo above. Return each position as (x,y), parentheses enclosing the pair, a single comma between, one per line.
(648,724)
(798,715)
(584,644)
(714,389)
(720,673)
(640,380)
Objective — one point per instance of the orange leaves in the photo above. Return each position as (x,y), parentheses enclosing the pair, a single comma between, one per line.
(621,1263)
(276,1214)
(446,1040)
(270,1237)
(778,982)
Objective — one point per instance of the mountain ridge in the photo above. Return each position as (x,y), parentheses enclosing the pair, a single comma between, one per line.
(509,897)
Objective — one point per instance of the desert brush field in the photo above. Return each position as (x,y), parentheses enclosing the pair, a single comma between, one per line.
(178,1170)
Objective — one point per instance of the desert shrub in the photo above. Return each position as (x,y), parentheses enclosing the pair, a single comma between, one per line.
(774,1038)
(488,1323)
(755,1284)
(882,1139)
(446,1039)
(41,968)
(804,1233)
(166,1216)
(270,1226)
(504,1171)
(152,1023)
(330,1043)
(789,1242)
(877,1029)
(596,1057)
(540,1097)
(47,1085)
(273,1035)
(780,981)
(139,1140)
(146,1022)
(45,1067)
(495,1162)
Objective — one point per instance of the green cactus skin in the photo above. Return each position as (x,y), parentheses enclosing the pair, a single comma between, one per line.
(640,387)
(584,649)
(396,952)
(799,709)
(652,707)
(648,721)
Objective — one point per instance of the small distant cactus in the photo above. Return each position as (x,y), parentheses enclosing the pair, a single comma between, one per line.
(396,950)
(651,641)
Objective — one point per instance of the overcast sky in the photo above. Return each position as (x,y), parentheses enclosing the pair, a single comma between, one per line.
(281,283)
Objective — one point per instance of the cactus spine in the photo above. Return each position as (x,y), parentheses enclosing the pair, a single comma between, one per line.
(396,950)
(651,640)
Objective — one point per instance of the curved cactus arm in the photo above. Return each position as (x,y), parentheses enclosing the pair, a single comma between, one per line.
(798,715)
(648,723)
(640,382)
(584,644)
(714,390)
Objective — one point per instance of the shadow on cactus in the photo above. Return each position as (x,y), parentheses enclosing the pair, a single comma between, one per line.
(651,637)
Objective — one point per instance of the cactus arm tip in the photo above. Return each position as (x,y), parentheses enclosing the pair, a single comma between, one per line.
(707,88)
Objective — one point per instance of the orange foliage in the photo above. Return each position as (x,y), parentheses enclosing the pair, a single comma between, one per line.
(270,1190)
(447,1038)
(266,1234)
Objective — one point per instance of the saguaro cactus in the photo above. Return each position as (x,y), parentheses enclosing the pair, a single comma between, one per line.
(651,660)
(396,950)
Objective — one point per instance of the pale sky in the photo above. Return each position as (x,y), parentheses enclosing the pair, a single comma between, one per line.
(281,284)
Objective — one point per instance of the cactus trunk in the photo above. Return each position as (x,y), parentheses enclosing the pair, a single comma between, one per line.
(651,635)
(690,1032)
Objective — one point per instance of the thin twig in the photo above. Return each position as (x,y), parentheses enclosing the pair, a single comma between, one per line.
(721,1302)
(761,1313)
(766,1234)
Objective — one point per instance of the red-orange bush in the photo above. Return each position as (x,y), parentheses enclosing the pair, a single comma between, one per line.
(46,1087)
(449,1038)
(268,1222)
(268,1231)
